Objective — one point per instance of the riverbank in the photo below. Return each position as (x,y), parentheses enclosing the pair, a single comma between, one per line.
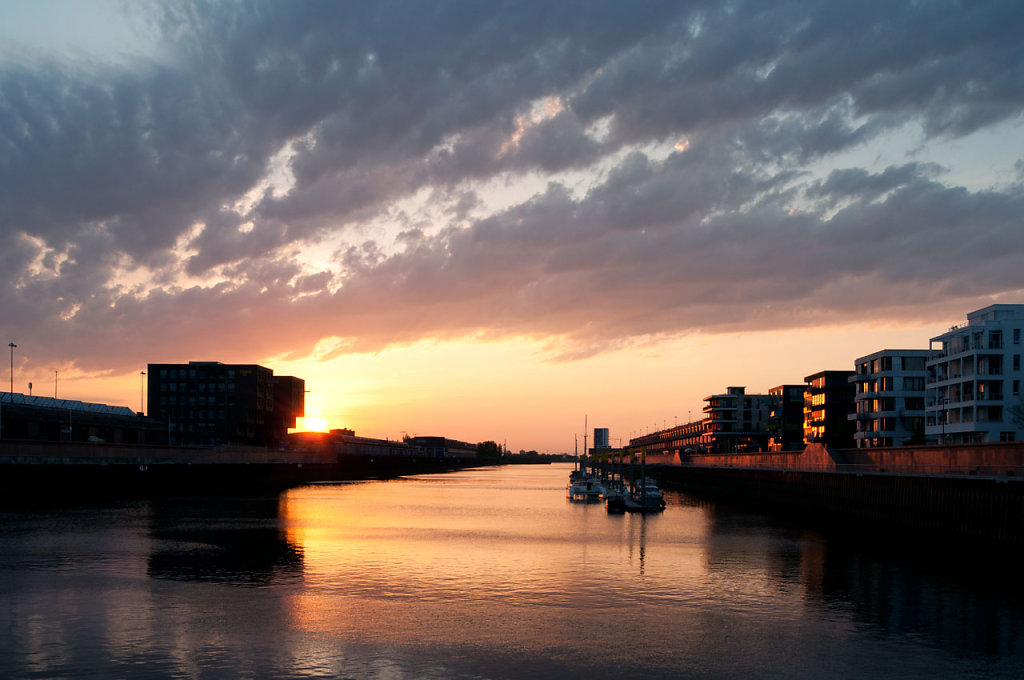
(62,469)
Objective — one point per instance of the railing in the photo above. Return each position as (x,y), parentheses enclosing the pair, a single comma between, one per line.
(1015,472)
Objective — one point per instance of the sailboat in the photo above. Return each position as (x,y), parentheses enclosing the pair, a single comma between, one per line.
(583,486)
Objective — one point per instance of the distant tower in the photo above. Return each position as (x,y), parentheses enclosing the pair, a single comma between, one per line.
(601,438)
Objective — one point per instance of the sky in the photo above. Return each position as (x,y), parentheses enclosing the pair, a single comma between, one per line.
(501,220)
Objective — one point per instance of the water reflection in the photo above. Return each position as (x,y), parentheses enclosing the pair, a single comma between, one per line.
(482,574)
(229,540)
(959,602)
(959,605)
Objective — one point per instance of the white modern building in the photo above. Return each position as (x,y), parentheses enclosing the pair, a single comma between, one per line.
(736,421)
(974,379)
(890,398)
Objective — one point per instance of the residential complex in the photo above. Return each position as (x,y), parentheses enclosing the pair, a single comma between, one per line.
(890,397)
(786,420)
(828,400)
(207,403)
(974,378)
(736,421)
(964,388)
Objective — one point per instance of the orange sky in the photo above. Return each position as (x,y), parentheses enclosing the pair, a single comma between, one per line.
(511,393)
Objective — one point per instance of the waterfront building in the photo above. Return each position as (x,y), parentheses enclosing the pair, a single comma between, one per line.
(973,391)
(207,403)
(36,418)
(736,421)
(828,402)
(601,438)
(889,398)
(345,442)
(442,447)
(678,440)
(786,419)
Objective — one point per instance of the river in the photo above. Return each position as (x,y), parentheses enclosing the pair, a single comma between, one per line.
(486,573)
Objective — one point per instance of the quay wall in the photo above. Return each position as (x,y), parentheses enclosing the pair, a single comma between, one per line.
(30,452)
(55,470)
(992,458)
(971,493)
(953,510)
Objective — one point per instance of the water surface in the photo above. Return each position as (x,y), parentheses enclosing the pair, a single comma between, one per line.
(485,573)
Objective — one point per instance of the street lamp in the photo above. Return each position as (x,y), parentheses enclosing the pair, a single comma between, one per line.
(142,403)
(12,346)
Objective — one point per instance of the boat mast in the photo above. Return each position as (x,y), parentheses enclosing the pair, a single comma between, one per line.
(584,443)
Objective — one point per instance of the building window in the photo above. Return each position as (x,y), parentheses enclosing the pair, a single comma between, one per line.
(913,363)
(1016,362)
(1016,387)
(1016,336)
(913,384)
(1007,437)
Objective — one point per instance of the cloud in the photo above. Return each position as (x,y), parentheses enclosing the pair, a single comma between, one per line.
(588,172)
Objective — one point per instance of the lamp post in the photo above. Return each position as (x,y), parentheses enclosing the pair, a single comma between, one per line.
(142,403)
(12,346)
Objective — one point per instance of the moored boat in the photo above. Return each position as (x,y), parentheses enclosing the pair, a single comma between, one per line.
(585,489)
(645,497)
(615,497)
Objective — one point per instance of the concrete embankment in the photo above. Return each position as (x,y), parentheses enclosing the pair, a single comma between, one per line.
(59,469)
(966,495)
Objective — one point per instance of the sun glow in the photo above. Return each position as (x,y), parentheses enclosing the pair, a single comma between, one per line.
(312,424)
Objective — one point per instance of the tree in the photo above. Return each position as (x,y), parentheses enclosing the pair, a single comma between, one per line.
(917,438)
(488,449)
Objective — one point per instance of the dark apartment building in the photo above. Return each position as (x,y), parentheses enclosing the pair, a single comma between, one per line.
(207,403)
(828,402)
(786,420)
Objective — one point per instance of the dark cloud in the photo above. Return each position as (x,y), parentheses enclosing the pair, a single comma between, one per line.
(657,167)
